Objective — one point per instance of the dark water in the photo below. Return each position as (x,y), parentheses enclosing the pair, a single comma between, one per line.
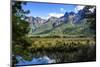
(66,55)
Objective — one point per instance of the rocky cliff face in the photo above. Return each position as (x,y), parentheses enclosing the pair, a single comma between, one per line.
(68,17)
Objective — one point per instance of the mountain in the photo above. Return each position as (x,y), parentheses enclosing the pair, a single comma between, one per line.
(52,19)
(36,21)
(69,24)
(40,20)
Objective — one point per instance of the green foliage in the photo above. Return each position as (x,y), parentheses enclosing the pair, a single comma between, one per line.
(17,9)
(91,16)
(20,41)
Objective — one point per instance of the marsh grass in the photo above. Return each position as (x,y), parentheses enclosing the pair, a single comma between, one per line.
(64,49)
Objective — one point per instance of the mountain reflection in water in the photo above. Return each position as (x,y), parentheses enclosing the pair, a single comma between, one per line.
(40,60)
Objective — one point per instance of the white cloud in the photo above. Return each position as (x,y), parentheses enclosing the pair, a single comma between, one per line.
(55,15)
(78,8)
(43,17)
(62,10)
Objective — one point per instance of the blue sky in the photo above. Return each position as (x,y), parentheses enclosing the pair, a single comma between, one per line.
(46,10)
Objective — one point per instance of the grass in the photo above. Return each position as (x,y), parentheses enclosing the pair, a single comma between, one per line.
(60,42)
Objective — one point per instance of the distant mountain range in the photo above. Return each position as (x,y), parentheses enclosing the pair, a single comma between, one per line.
(69,24)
